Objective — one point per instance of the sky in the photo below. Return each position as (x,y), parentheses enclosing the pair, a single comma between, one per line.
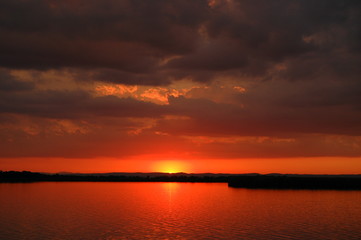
(233,86)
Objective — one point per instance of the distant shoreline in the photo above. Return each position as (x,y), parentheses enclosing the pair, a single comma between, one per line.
(252,181)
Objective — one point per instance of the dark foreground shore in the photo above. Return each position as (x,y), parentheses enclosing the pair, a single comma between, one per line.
(336,182)
(254,181)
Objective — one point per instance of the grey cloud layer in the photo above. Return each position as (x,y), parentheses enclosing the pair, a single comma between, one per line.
(135,36)
(299,60)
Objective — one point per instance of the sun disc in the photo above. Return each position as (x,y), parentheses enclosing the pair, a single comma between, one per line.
(170,166)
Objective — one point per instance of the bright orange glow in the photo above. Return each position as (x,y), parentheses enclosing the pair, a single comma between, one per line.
(320,165)
(172,166)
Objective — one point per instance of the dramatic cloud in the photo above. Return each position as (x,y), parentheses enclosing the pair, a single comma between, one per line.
(192,78)
(9,84)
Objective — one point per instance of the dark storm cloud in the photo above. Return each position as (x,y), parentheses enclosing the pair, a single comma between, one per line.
(265,117)
(135,36)
(115,76)
(288,115)
(124,35)
(8,83)
(298,60)
(267,32)
(215,56)
(75,105)
(150,22)
(52,52)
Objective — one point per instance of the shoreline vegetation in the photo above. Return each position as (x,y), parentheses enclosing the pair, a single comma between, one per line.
(252,180)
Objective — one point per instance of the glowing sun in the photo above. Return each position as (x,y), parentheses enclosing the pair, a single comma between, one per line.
(171,166)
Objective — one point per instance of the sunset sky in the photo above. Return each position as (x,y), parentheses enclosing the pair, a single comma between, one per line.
(231,86)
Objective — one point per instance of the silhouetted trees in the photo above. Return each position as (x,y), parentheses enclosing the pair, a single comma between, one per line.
(351,182)
(270,181)
(13,176)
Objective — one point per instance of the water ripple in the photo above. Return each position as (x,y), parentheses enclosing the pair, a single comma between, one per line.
(117,211)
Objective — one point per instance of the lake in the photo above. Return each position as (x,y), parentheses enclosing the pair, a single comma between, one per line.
(106,210)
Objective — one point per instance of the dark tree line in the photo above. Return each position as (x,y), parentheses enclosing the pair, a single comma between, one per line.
(270,181)
(297,182)
(25,176)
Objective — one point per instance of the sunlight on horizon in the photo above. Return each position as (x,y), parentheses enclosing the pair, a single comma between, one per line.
(170,166)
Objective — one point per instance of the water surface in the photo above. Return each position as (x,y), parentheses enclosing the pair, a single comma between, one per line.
(101,210)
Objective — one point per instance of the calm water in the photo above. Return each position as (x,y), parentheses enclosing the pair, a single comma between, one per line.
(174,211)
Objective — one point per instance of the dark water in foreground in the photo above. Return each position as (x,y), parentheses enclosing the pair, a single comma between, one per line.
(99,210)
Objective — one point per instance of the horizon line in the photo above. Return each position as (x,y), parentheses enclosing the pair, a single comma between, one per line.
(175,173)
